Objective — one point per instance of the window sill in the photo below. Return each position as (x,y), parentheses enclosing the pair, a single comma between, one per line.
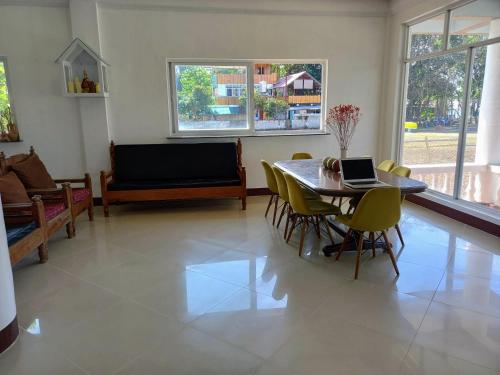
(288,134)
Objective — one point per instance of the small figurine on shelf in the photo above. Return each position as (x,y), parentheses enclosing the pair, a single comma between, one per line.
(97,88)
(71,86)
(85,82)
(92,88)
(78,85)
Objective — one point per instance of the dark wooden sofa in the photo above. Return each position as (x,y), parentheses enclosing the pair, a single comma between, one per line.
(150,172)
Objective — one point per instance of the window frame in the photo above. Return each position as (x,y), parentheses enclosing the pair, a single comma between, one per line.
(406,61)
(173,130)
(3,59)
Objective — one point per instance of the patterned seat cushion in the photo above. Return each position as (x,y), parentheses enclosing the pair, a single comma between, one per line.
(53,209)
(80,194)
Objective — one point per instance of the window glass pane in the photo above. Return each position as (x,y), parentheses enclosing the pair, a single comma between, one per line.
(426,37)
(211,97)
(474,22)
(481,170)
(287,96)
(8,127)
(433,112)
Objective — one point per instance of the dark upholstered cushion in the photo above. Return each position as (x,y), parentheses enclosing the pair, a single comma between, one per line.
(33,174)
(17,233)
(175,161)
(12,189)
(173,184)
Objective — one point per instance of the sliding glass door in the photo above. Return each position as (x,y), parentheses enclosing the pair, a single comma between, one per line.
(450,135)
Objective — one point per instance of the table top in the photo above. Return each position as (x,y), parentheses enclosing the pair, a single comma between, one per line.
(312,174)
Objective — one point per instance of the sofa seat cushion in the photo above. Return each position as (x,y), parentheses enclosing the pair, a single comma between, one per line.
(80,194)
(172,184)
(53,209)
(17,233)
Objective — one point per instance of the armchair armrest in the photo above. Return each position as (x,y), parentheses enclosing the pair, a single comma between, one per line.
(85,180)
(16,213)
(54,194)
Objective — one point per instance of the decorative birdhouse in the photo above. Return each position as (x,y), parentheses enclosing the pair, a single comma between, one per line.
(84,72)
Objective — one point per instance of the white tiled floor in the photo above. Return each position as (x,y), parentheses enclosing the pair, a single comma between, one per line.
(204,288)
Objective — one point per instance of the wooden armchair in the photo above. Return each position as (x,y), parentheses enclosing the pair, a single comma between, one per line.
(57,201)
(80,191)
(22,235)
(57,210)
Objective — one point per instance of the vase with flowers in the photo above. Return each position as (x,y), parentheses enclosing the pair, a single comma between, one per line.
(342,121)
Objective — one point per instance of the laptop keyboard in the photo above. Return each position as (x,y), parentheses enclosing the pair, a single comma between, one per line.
(363,182)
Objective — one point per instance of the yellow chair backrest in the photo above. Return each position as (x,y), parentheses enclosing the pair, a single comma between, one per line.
(282,186)
(270,178)
(401,171)
(379,209)
(296,196)
(301,155)
(386,165)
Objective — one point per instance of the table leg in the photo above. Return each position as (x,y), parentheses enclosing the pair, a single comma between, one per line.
(352,243)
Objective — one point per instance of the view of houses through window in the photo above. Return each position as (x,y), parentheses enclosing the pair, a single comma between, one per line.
(216,97)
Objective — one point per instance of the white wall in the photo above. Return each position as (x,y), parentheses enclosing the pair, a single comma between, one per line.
(32,38)
(136,39)
(136,42)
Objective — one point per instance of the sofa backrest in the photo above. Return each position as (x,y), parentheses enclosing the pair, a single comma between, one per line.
(175,161)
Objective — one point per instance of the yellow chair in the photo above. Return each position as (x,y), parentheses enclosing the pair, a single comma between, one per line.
(403,172)
(305,210)
(377,211)
(272,185)
(386,165)
(283,193)
(301,155)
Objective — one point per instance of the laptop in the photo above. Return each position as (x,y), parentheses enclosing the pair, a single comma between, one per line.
(359,173)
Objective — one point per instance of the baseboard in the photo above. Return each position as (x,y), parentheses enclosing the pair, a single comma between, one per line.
(250,192)
(452,213)
(8,335)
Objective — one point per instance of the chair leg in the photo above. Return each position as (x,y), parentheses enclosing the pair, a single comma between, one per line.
(43,252)
(315,220)
(269,204)
(294,222)
(325,221)
(285,205)
(399,234)
(344,243)
(276,201)
(389,250)
(358,255)
(288,214)
(302,235)
(90,210)
(70,230)
(372,240)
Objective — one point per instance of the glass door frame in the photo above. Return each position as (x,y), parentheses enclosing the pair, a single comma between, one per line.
(406,61)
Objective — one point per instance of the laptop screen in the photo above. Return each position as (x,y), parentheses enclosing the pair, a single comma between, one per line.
(357,169)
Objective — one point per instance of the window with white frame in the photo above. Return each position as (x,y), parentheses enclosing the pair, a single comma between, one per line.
(450,129)
(8,127)
(246,97)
